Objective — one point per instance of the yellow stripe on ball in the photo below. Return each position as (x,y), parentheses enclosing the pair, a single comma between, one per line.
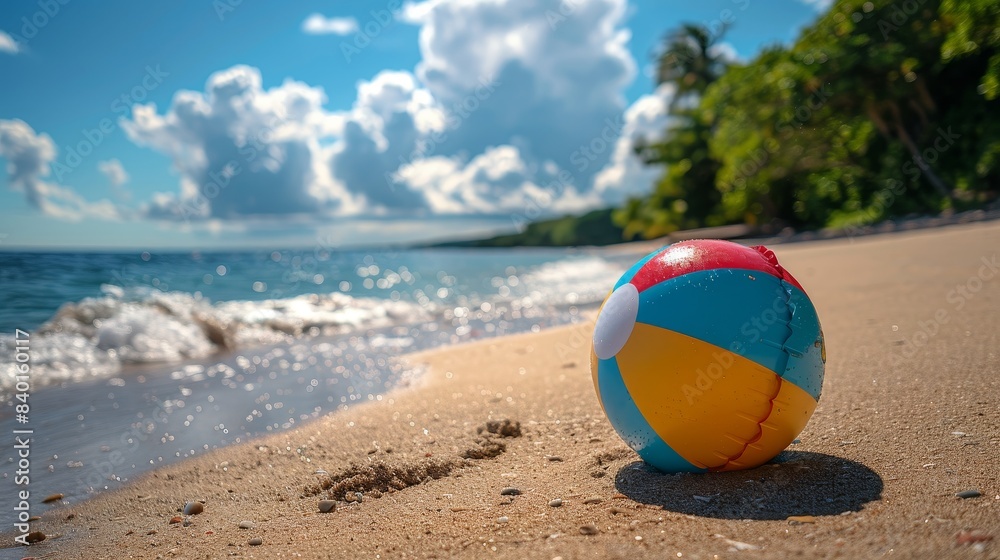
(716,409)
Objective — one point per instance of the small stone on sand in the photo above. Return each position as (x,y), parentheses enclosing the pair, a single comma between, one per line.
(969,494)
(510,491)
(589,530)
(246,524)
(193,508)
(256,541)
(974,536)
(503,519)
(555,503)
(34,537)
(326,506)
(176,519)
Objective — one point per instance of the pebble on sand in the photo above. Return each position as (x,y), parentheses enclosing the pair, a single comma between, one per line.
(555,503)
(176,519)
(510,491)
(256,541)
(589,530)
(193,508)
(34,537)
(52,498)
(503,519)
(326,506)
(247,524)
(969,494)
(974,536)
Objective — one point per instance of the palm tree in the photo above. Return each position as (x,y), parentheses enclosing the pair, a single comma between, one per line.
(689,60)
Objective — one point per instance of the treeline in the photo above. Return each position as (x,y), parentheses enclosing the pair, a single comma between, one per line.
(879,109)
(593,228)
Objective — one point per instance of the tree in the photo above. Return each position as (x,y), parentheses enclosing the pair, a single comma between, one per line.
(685,196)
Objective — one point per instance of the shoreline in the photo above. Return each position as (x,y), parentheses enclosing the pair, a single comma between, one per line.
(866,450)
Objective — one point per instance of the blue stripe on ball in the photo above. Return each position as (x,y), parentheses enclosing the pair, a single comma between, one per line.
(747,312)
(630,423)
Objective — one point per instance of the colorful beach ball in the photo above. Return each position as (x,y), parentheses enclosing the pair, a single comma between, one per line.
(708,356)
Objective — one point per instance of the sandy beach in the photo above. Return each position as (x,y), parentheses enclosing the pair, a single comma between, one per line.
(907,419)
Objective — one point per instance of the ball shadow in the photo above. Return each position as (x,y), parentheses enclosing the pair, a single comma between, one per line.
(793,483)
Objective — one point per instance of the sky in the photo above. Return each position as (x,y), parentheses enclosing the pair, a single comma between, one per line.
(238,124)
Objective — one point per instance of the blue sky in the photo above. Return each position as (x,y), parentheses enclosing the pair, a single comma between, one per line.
(252,124)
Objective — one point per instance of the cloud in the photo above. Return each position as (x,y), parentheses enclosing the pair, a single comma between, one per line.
(317,24)
(243,151)
(8,44)
(28,157)
(514,102)
(626,175)
(818,5)
(559,71)
(496,181)
(114,171)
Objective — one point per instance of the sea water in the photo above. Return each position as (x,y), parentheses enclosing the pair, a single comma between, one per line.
(141,359)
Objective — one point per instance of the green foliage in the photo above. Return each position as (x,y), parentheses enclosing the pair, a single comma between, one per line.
(593,228)
(878,109)
(685,197)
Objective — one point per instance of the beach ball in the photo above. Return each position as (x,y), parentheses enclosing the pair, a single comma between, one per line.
(708,356)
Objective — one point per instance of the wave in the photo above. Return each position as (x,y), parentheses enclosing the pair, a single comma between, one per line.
(96,337)
(574,281)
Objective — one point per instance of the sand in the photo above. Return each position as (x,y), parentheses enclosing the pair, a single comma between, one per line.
(906,421)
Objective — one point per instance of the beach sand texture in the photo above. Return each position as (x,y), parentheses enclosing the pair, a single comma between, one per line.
(906,421)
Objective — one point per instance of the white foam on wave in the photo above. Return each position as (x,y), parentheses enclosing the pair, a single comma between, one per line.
(95,337)
(575,281)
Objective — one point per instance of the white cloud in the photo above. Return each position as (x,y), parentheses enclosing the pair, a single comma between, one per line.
(506,98)
(114,171)
(557,78)
(244,151)
(29,156)
(818,5)
(317,24)
(496,181)
(625,175)
(8,44)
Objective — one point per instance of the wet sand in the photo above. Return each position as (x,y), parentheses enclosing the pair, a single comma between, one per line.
(908,419)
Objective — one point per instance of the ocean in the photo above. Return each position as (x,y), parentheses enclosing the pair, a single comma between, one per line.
(141,359)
